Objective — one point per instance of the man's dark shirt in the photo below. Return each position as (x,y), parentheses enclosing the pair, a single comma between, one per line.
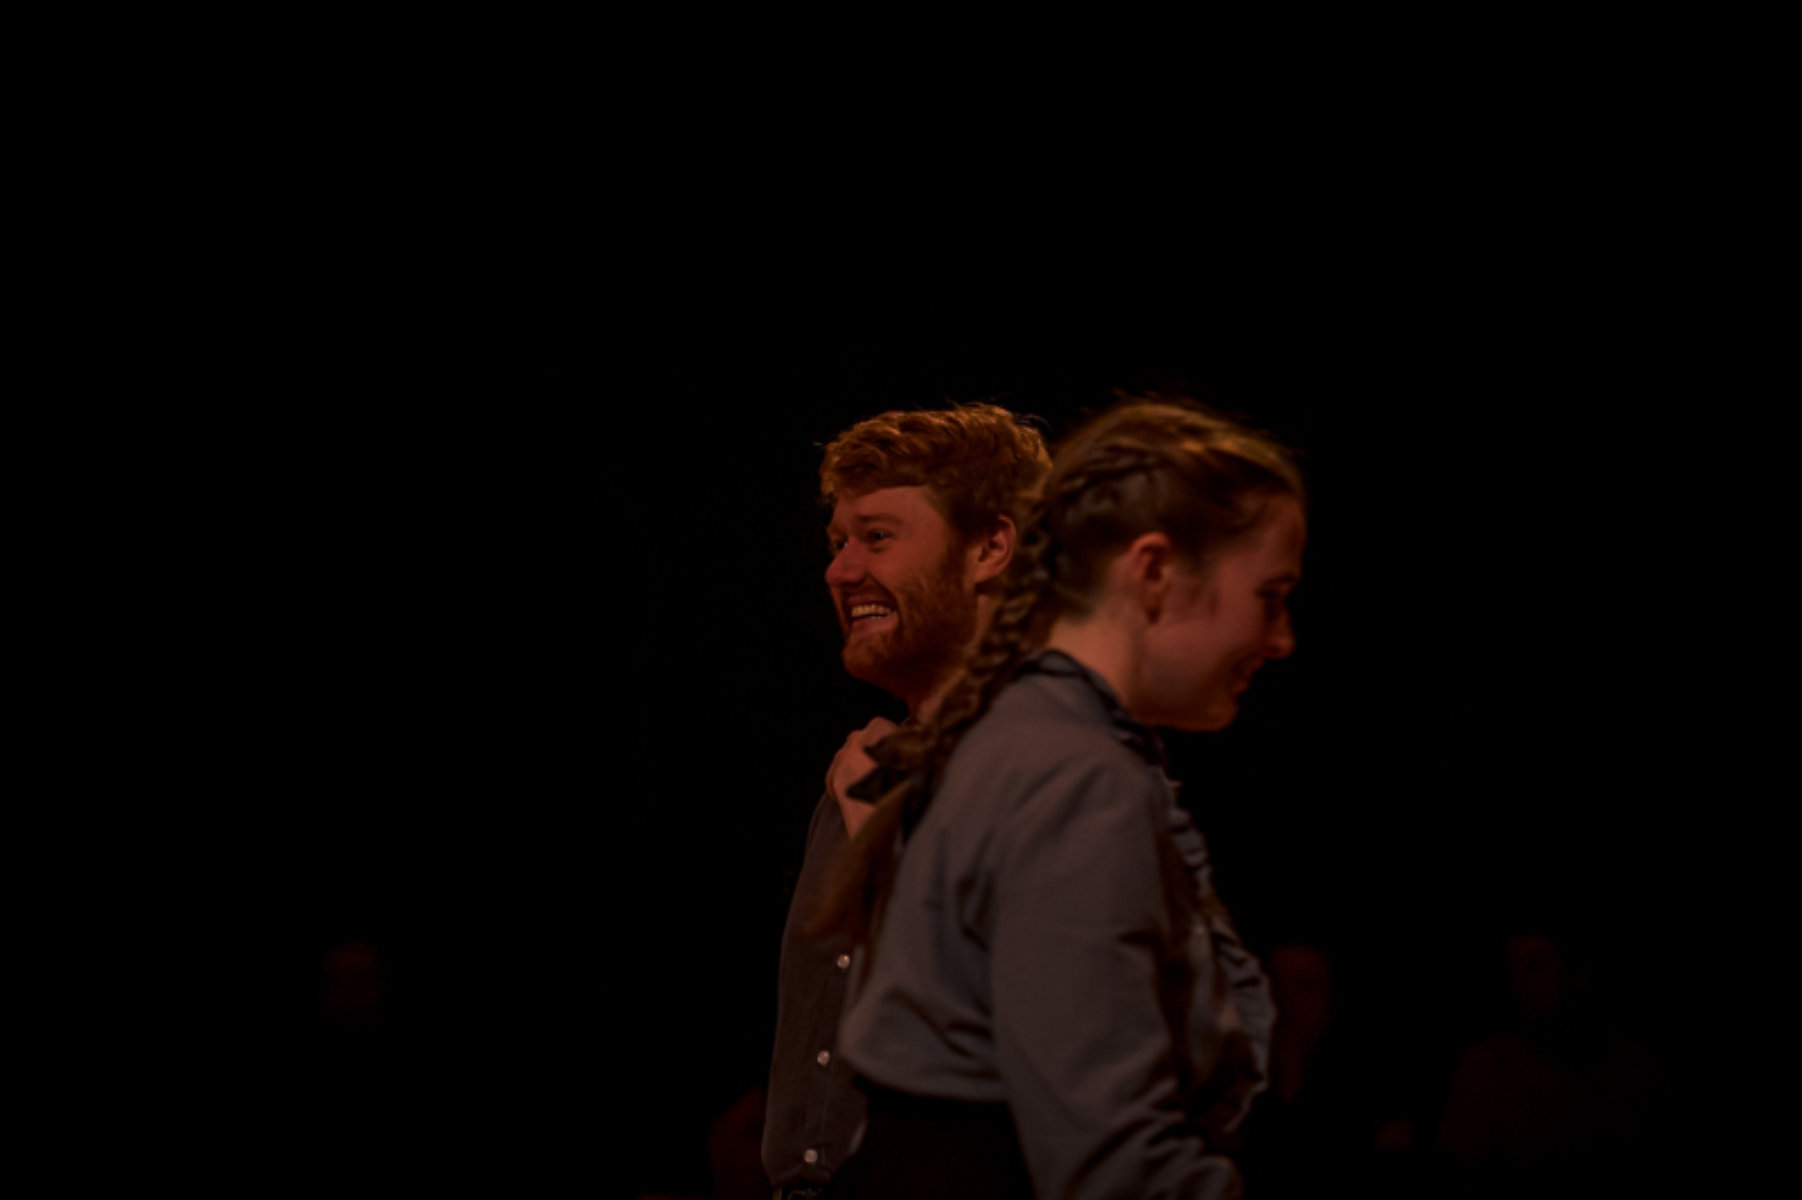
(814,1110)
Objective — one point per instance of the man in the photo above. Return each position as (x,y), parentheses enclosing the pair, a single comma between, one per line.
(924,512)
(925,508)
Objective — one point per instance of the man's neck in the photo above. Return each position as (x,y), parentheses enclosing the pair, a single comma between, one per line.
(921,706)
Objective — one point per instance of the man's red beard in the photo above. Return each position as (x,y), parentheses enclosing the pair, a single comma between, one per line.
(935,620)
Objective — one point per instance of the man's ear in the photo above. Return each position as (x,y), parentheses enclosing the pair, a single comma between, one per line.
(991,554)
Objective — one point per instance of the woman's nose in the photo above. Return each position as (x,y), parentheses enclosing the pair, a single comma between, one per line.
(1281,642)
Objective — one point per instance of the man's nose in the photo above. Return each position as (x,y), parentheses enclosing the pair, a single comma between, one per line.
(846,567)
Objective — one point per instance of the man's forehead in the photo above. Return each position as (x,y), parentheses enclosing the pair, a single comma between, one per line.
(912,503)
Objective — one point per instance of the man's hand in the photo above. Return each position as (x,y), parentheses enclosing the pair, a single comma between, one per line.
(851,764)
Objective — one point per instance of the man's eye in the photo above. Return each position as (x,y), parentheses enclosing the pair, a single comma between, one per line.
(878,535)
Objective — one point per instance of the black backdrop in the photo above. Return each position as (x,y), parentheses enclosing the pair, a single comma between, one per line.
(532,674)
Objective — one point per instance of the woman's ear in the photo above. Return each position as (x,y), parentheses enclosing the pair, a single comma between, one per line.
(1145,569)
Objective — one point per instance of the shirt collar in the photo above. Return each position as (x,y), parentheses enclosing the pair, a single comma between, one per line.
(1136,736)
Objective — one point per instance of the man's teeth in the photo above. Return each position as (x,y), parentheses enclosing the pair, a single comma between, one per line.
(859,611)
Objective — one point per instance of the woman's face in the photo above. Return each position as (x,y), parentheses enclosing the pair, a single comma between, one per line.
(1219,625)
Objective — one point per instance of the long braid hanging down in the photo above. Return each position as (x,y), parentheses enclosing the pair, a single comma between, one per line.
(1139,466)
(1038,586)
(911,759)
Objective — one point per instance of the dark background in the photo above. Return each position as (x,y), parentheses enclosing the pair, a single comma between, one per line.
(529,653)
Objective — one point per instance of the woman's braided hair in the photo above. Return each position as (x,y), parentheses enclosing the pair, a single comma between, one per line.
(1148,463)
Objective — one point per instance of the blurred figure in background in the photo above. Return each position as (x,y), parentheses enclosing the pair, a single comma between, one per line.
(1330,1123)
(1560,1103)
(353,987)
(734,1163)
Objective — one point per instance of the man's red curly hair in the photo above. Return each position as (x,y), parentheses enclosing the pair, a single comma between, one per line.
(977,462)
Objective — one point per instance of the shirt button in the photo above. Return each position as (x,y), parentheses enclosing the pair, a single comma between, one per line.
(823,1057)
(844,960)
(812,1156)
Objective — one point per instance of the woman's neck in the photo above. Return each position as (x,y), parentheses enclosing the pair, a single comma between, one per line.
(1102,646)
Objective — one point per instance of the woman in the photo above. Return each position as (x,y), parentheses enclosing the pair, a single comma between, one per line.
(1043,1008)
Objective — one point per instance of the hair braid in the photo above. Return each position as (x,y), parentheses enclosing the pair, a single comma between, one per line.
(919,752)
(1140,466)
(1033,587)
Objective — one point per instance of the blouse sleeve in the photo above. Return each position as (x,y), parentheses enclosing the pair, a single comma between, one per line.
(1087,1056)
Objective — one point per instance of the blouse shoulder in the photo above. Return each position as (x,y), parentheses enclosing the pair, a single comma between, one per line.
(1044,747)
